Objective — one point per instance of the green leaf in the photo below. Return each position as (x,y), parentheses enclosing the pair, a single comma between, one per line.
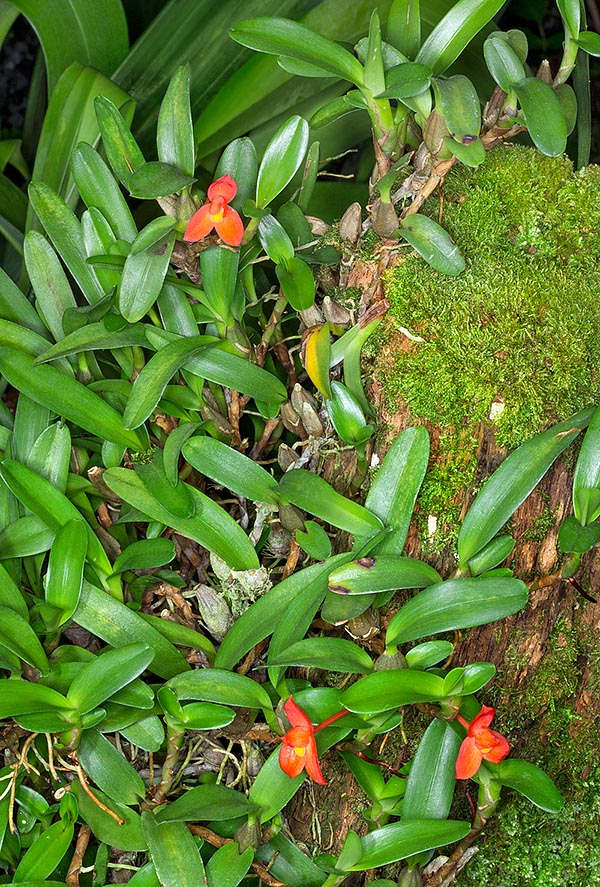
(218,685)
(156,179)
(119,626)
(394,490)
(151,382)
(543,115)
(219,267)
(206,802)
(288,863)
(143,277)
(512,482)
(275,240)
(530,781)
(126,835)
(174,133)
(211,526)
(109,769)
(433,244)
(19,637)
(231,469)
(145,554)
(19,697)
(587,472)
(386,690)
(347,416)
(314,541)
(66,396)
(428,654)
(457,603)
(173,851)
(98,188)
(206,716)
(402,839)
(406,80)
(333,654)
(65,569)
(16,307)
(385,572)
(297,283)
(313,494)
(64,231)
(573,537)
(69,33)
(430,785)
(282,157)
(227,866)
(52,289)
(279,36)
(503,63)
(589,41)
(259,620)
(374,75)
(493,554)
(107,674)
(121,148)
(95,337)
(404,26)
(317,358)
(455,31)
(11,594)
(457,101)
(46,852)
(570,12)
(153,233)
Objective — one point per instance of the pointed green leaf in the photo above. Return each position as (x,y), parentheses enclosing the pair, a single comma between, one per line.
(25,536)
(16,307)
(404,26)
(402,839)
(503,63)
(512,482)
(428,654)
(109,769)
(211,526)
(50,285)
(227,867)
(231,469)
(97,187)
(406,80)
(121,148)
(530,781)
(347,416)
(124,835)
(589,41)
(18,697)
(457,603)
(153,233)
(145,554)
(66,396)
(543,115)
(174,852)
(143,276)
(19,637)
(65,569)
(219,267)
(120,626)
(218,685)
(386,690)
(455,31)
(332,654)
(174,133)
(156,179)
(384,572)
(107,674)
(587,471)
(458,103)
(394,490)
(433,244)
(287,38)
(95,337)
(283,156)
(430,785)
(44,855)
(313,494)
(493,554)
(314,541)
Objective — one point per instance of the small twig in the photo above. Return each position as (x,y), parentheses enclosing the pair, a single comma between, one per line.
(83,839)
(581,590)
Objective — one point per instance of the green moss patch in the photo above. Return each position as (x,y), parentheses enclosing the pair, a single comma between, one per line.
(521,326)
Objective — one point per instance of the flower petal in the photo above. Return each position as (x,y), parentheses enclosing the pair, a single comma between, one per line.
(469,759)
(224,187)
(296,716)
(312,763)
(290,762)
(199,225)
(483,719)
(231,228)
(499,750)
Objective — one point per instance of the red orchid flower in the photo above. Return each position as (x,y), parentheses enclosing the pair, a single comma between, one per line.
(216,213)
(299,749)
(480,744)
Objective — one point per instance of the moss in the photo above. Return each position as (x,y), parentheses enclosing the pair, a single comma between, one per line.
(523,845)
(508,329)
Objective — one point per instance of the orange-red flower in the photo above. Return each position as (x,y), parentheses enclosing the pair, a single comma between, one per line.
(299,749)
(480,744)
(216,213)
